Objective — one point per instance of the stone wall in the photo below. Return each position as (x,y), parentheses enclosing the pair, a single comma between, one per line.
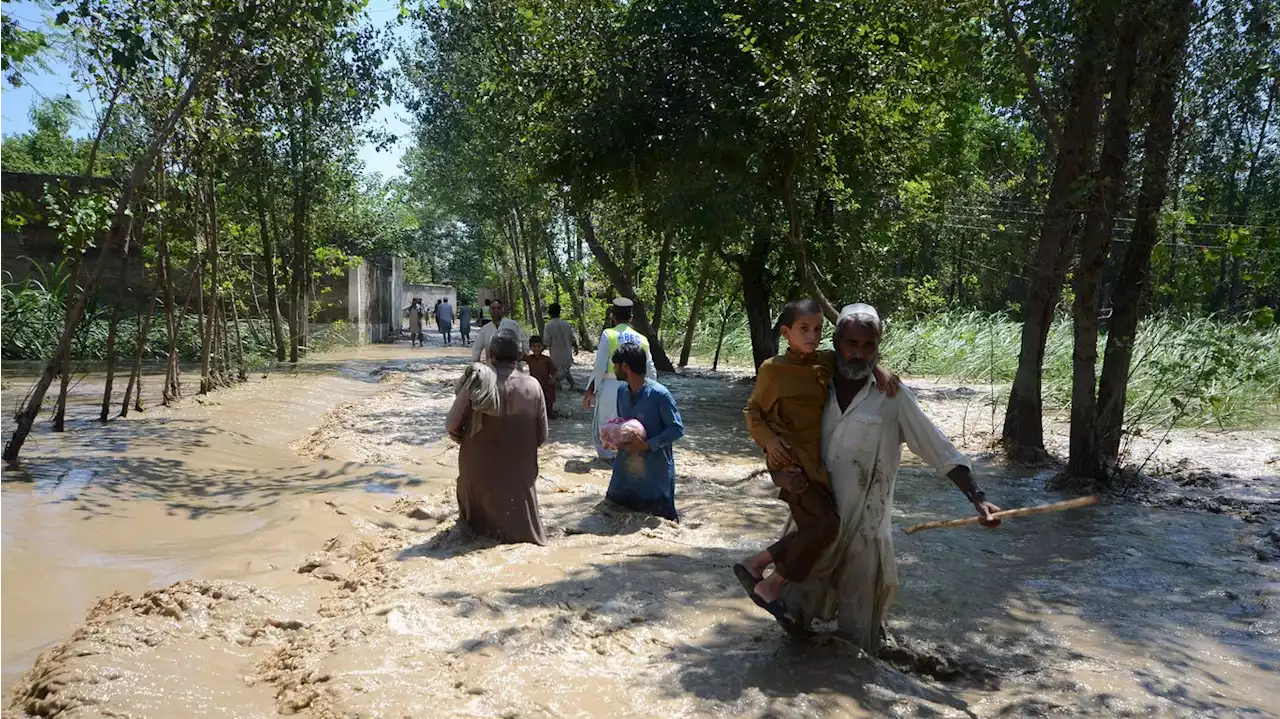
(34,250)
(429,295)
(374,290)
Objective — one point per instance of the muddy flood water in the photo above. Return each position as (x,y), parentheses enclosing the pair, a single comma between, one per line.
(288,546)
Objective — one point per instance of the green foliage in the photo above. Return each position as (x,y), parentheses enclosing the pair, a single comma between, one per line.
(1186,371)
(34,312)
(48,147)
(22,48)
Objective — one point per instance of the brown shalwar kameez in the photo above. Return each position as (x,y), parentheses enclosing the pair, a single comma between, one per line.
(498,466)
(787,401)
(543,369)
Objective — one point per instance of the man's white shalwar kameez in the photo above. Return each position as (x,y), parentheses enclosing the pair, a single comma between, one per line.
(855,582)
(606,383)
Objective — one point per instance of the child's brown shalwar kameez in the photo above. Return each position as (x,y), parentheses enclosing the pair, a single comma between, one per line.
(787,401)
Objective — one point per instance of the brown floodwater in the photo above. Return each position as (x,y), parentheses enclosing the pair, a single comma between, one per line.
(289,546)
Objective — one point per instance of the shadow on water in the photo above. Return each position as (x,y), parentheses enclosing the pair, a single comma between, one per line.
(98,489)
(1167,587)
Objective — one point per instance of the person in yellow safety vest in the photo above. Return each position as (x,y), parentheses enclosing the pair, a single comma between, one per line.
(602,391)
(485,315)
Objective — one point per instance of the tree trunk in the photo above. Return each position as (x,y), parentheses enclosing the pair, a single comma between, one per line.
(511,229)
(622,284)
(531,270)
(208,346)
(724,321)
(795,239)
(1095,246)
(224,334)
(112,330)
(756,281)
(242,372)
(298,160)
(1024,420)
(60,409)
(699,297)
(135,376)
(1131,286)
(269,262)
(660,291)
(585,339)
(172,390)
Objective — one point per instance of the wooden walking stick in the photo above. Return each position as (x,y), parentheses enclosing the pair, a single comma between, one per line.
(1008,513)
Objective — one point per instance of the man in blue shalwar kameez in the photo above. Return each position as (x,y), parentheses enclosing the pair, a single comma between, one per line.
(644,471)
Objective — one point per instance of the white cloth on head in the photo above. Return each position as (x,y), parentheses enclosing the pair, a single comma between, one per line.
(623,302)
(480,350)
(855,581)
(480,381)
(859,309)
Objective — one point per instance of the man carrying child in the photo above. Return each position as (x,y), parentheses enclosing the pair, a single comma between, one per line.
(784,416)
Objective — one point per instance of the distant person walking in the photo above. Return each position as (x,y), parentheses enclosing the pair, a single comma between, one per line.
(559,338)
(499,419)
(417,315)
(464,324)
(486,313)
(500,322)
(444,320)
(602,393)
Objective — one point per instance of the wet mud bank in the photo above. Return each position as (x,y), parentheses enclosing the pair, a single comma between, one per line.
(307,561)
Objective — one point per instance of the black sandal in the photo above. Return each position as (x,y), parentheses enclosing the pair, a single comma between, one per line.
(784,618)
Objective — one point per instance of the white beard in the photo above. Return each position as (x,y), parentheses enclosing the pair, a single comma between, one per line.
(854,370)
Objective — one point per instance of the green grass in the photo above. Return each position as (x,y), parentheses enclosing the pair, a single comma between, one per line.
(1187,371)
(34,315)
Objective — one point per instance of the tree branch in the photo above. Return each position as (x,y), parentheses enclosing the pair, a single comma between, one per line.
(1029,71)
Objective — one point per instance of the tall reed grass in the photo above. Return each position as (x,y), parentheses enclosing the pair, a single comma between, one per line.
(33,313)
(1187,371)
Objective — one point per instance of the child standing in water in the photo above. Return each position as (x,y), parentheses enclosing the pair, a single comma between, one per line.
(542,369)
(784,416)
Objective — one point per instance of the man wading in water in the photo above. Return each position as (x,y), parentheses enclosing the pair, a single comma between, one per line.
(863,430)
(784,416)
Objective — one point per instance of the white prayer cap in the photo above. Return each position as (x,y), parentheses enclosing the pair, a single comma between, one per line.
(860,312)
(622,302)
(858,308)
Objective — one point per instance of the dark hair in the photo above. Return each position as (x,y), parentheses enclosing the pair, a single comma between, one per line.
(536,340)
(632,355)
(621,314)
(794,310)
(504,347)
(488,301)
(553,309)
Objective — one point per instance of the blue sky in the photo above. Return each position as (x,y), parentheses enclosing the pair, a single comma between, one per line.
(15,103)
